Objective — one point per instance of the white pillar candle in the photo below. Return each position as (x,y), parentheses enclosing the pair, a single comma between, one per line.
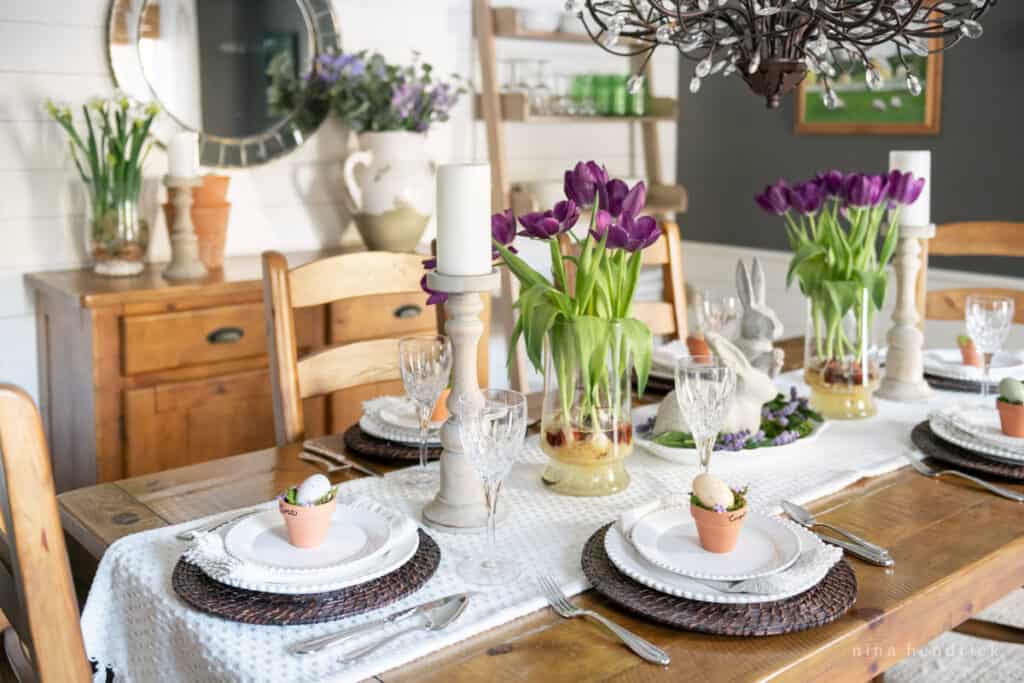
(464,219)
(183,155)
(920,164)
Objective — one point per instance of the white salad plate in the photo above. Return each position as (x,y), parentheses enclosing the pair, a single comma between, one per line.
(403,545)
(689,456)
(982,422)
(401,413)
(946,430)
(668,539)
(360,530)
(375,426)
(949,363)
(628,560)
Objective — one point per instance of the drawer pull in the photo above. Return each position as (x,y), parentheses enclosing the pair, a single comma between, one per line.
(407,311)
(225,335)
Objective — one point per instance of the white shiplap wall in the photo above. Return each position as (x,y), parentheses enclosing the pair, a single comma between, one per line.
(56,49)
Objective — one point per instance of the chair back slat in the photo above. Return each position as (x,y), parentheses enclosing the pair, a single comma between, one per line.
(973,238)
(349,276)
(41,603)
(349,365)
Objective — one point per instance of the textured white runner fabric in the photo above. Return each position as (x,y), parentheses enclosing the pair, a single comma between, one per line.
(135,624)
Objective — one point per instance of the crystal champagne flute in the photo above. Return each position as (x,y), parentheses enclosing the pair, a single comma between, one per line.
(988,323)
(426,365)
(704,387)
(492,427)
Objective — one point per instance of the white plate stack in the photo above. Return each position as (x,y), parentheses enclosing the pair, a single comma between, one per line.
(948,363)
(393,418)
(975,427)
(774,559)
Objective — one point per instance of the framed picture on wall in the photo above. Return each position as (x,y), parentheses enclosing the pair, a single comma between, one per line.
(890,110)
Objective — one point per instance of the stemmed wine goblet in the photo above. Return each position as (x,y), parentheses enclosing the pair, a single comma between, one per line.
(492,427)
(704,387)
(426,365)
(988,323)
(718,314)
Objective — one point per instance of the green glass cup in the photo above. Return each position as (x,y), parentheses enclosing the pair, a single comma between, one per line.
(604,87)
(619,96)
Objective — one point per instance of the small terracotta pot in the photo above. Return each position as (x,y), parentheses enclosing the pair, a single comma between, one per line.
(440,413)
(213,191)
(718,531)
(211,226)
(1011,418)
(697,346)
(307,526)
(971,355)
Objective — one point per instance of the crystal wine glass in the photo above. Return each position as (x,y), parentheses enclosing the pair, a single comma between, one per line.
(492,426)
(426,364)
(704,387)
(718,314)
(988,323)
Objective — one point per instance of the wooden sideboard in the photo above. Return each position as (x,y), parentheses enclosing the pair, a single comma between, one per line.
(139,375)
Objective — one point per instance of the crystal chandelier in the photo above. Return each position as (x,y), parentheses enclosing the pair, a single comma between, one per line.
(772,44)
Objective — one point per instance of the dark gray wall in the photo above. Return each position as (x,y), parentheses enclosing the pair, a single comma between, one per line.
(730,146)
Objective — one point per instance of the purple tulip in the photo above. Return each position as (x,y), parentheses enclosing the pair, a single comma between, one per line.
(435,297)
(830,182)
(914,190)
(545,225)
(863,190)
(903,188)
(631,233)
(503,227)
(636,200)
(773,200)
(582,183)
(806,198)
(612,195)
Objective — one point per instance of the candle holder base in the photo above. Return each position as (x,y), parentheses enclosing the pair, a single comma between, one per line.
(901,390)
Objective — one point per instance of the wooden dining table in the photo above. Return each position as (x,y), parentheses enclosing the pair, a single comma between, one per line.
(957,548)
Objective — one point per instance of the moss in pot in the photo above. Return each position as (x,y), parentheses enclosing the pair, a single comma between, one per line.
(1010,405)
(718,511)
(307,510)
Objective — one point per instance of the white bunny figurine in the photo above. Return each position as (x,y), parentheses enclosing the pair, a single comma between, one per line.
(759,325)
(754,388)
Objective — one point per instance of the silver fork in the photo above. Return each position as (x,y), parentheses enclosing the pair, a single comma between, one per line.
(935,474)
(565,609)
(329,467)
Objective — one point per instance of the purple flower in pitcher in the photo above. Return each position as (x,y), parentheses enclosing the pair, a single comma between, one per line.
(543,225)
(582,183)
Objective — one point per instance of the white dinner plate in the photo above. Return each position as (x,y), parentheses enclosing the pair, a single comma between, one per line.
(403,546)
(947,431)
(628,561)
(689,456)
(949,363)
(374,426)
(360,530)
(400,412)
(668,539)
(982,423)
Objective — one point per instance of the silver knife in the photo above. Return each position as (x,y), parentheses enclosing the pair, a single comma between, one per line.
(314,645)
(803,517)
(327,453)
(858,551)
(433,619)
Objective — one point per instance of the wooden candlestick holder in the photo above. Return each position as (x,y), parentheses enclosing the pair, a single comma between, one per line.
(904,363)
(185,263)
(459,505)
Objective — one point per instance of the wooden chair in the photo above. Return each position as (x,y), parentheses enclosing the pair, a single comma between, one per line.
(375,298)
(968,239)
(667,317)
(44,640)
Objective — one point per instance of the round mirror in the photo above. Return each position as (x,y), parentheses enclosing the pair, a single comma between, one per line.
(207,63)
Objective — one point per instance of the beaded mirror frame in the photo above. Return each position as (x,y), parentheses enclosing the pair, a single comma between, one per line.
(132,20)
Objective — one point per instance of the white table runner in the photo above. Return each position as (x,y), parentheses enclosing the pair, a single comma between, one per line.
(135,624)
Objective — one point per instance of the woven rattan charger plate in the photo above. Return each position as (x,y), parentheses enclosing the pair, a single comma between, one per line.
(272,609)
(818,606)
(934,447)
(368,446)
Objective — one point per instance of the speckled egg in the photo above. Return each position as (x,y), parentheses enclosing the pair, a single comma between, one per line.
(1012,390)
(313,489)
(712,491)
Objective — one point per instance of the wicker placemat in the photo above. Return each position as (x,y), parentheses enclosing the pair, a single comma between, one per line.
(272,609)
(820,605)
(964,385)
(933,446)
(380,449)
(657,385)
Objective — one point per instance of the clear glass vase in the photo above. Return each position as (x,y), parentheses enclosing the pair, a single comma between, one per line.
(586,425)
(116,236)
(841,358)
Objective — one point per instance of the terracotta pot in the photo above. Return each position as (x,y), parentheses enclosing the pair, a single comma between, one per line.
(971,355)
(307,526)
(718,531)
(440,413)
(213,191)
(211,225)
(697,346)
(1011,418)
